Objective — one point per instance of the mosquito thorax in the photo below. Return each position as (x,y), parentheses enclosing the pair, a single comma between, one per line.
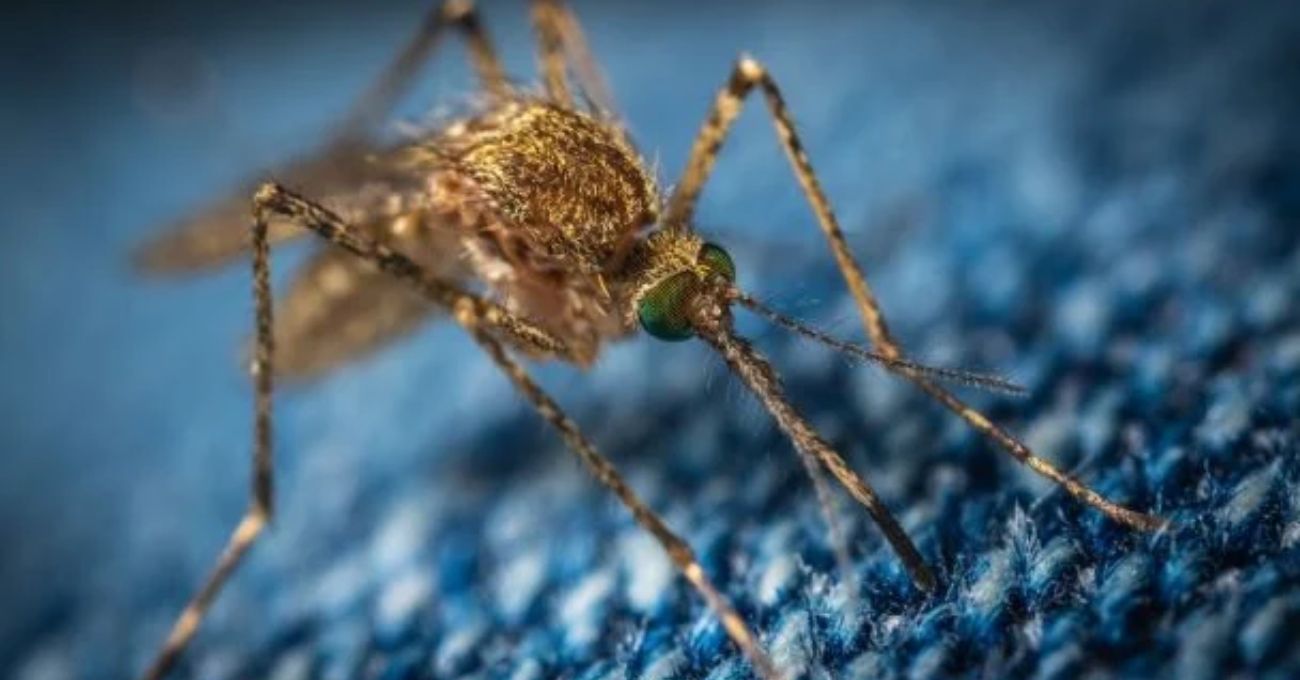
(560,187)
(667,270)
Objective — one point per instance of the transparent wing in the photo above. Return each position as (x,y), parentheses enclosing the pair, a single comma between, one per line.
(217,233)
(341,307)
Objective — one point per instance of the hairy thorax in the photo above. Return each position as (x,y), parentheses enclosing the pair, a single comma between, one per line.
(549,202)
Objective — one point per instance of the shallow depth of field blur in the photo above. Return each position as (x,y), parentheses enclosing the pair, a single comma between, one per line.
(1098,199)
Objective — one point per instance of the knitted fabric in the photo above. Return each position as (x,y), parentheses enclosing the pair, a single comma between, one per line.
(1100,202)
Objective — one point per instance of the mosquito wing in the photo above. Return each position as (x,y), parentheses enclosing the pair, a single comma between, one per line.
(217,233)
(341,307)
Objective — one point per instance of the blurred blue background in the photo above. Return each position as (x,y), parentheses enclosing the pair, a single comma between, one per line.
(1099,199)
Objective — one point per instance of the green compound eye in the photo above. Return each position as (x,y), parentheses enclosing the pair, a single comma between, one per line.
(718,261)
(663,309)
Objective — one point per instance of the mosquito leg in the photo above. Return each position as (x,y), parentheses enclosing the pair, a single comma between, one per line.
(681,554)
(483,320)
(681,207)
(261,508)
(715,329)
(749,74)
(274,201)
(376,103)
(560,42)
(1042,466)
(550,52)
(217,233)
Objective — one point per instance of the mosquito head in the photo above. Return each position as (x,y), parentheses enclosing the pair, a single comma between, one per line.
(673,276)
(683,287)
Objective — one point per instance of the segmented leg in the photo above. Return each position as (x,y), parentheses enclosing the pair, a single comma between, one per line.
(217,233)
(681,554)
(484,320)
(340,308)
(277,202)
(749,74)
(377,103)
(262,507)
(562,43)
(714,326)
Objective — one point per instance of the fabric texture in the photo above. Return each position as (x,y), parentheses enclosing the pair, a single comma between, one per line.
(1101,202)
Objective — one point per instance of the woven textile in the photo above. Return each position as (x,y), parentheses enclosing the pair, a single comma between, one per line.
(1098,201)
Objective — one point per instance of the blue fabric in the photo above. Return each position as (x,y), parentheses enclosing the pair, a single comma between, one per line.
(1097,200)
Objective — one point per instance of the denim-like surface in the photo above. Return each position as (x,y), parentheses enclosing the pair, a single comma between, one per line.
(1097,200)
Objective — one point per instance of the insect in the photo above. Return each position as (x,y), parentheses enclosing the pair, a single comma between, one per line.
(532,222)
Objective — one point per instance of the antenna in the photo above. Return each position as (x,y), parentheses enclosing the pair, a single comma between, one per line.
(983,381)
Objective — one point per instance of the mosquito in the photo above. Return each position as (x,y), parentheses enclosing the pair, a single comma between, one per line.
(533,223)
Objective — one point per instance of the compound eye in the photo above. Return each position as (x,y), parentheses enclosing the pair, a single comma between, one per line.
(717,261)
(663,310)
